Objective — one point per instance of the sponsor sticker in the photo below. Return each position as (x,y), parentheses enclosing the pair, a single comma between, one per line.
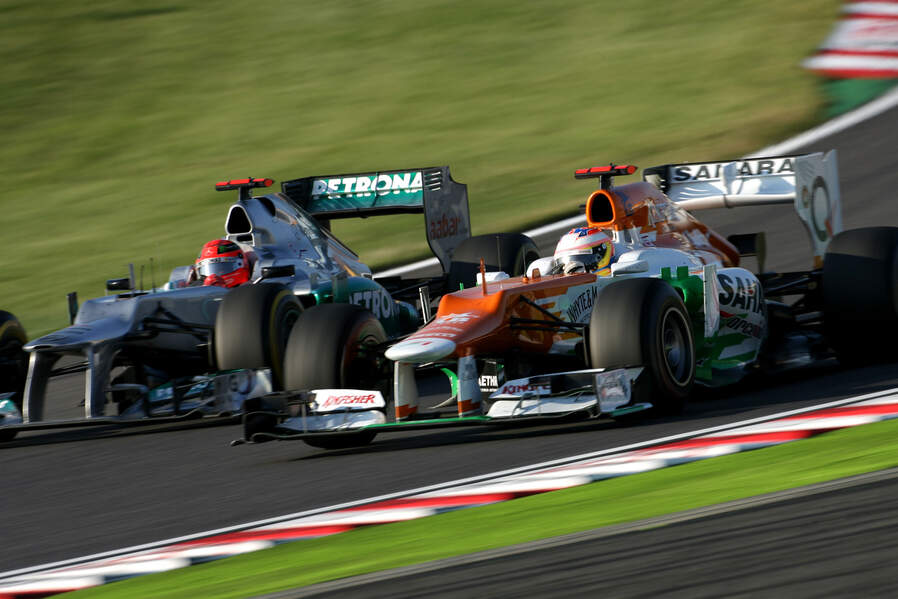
(488,382)
(332,400)
(519,387)
(454,318)
(581,306)
(740,292)
(744,327)
(162,393)
(378,302)
(745,168)
(445,225)
(366,185)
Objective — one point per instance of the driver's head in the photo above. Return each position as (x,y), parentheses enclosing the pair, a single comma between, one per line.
(222,263)
(584,249)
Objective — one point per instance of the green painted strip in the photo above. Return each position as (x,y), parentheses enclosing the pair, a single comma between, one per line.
(453,381)
(628,410)
(414,423)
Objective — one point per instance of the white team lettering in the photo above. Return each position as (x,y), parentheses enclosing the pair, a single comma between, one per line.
(362,184)
(396,182)
(457,318)
(378,302)
(512,389)
(746,168)
(386,182)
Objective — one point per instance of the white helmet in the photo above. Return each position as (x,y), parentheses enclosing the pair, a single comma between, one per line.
(584,249)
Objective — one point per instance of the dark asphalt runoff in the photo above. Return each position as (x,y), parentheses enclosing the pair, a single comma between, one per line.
(72,493)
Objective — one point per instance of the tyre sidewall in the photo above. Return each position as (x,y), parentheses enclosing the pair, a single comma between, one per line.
(658,308)
(626,330)
(860,300)
(284,312)
(252,328)
(321,352)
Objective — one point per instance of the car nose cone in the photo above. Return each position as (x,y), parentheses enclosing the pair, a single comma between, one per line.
(420,349)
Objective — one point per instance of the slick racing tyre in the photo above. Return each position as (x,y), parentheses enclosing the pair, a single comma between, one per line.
(643,322)
(13,359)
(335,346)
(13,363)
(860,294)
(508,252)
(252,328)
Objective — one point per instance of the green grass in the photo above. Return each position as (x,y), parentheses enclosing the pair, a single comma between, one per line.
(117,117)
(827,457)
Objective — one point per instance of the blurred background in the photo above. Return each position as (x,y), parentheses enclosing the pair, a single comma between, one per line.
(119,116)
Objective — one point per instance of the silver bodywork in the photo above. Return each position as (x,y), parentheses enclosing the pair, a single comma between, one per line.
(271,229)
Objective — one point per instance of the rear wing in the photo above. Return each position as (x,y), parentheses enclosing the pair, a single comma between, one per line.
(430,191)
(810,182)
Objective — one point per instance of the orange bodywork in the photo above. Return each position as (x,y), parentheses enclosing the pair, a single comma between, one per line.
(643,207)
(480,321)
(481,324)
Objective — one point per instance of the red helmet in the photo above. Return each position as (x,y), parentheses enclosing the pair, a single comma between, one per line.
(221,262)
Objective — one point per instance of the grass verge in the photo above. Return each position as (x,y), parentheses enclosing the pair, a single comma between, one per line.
(826,457)
(117,118)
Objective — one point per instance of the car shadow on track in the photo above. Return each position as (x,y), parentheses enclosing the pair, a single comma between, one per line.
(106,431)
(820,382)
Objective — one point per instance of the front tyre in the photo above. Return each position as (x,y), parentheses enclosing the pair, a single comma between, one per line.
(336,346)
(643,322)
(252,328)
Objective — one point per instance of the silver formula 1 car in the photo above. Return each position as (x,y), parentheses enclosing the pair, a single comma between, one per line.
(188,349)
(633,310)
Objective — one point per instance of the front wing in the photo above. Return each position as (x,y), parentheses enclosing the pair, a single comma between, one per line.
(222,394)
(297,415)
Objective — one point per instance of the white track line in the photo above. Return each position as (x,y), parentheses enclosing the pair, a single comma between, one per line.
(840,123)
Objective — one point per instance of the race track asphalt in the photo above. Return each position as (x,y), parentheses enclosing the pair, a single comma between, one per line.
(830,543)
(73,493)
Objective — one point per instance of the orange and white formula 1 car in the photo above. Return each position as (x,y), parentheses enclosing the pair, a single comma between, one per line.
(631,311)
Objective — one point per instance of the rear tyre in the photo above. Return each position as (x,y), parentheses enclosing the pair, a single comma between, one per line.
(508,252)
(860,294)
(643,322)
(13,362)
(336,346)
(252,328)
